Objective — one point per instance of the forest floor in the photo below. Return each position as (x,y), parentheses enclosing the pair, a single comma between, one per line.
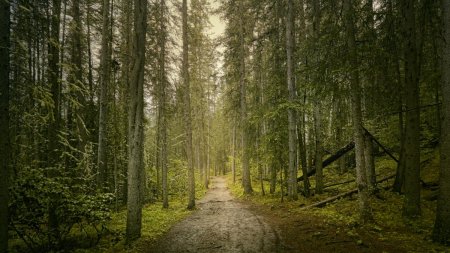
(303,232)
(220,224)
(227,221)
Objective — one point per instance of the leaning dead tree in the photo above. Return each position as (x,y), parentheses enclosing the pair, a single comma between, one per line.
(344,150)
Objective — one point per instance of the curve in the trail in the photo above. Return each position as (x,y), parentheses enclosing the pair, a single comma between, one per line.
(221,224)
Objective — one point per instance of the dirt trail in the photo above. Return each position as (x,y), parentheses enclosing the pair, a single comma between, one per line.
(221,224)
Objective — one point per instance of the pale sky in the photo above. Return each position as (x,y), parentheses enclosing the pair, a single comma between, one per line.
(218,26)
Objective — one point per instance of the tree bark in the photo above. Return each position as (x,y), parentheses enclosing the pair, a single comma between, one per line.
(136,172)
(233,168)
(105,77)
(4,121)
(364,205)
(318,157)
(301,126)
(370,164)
(246,180)
(162,117)
(411,205)
(273,179)
(80,110)
(292,179)
(55,122)
(441,231)
(187,107)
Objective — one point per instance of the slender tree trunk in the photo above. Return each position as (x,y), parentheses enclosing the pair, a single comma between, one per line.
(273,178)
(441,231)
(317,113)
(411,205)
(187,107)
(53,79)
(55,123)
(105,78)
(318,157)
(302,153)
(136,172)
(80,111)
(246,180)
(364,205)
(400,175)
(292,179)
(4,122)
(233,168)
(208,151)
(301,115)
(162,117)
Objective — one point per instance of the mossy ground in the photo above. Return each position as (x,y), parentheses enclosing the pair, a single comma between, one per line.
(156,221)
(342,215)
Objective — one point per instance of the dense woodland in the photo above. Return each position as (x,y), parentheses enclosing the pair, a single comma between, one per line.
(112,105)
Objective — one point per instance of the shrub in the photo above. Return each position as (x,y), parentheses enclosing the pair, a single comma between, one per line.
(37,200)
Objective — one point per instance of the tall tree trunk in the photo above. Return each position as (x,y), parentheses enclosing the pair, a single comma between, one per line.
(292,180)
(53,79)
(233,168)
(162,94)
(77,55)
(411,205)
(187,107)
(246,180)
(317,113)
(364,206)
(105,78)
(441,231)
(55,123)
(4,122)
(301,130)
(136,172)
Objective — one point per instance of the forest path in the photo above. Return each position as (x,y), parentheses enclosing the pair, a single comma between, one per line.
(221,224)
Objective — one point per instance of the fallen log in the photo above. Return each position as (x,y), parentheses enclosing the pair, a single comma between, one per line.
(340,183)
(342,195)
(331,159)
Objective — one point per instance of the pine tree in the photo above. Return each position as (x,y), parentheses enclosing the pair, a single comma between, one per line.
(136,170)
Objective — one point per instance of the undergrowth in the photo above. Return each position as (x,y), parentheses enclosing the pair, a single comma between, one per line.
(156,221)
(388,223)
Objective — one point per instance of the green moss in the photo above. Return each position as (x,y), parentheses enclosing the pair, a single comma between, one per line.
(388,225)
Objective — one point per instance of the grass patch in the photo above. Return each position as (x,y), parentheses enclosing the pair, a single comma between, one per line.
(156,221)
